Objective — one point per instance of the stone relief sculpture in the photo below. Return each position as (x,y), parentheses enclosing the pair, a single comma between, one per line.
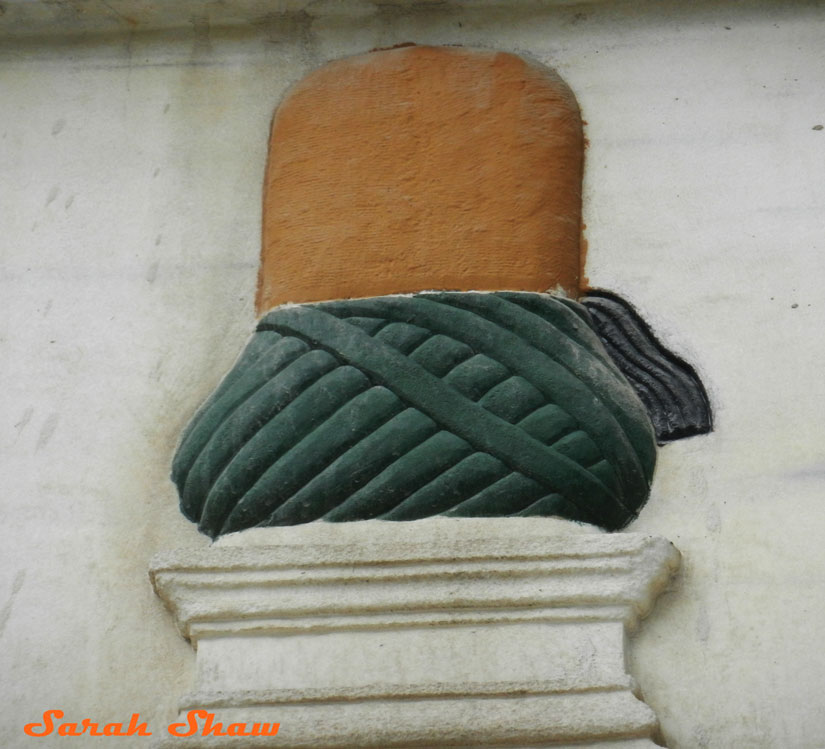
(425,344)
(426,348)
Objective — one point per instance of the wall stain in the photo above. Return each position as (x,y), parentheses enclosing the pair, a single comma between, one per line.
(701,736)
(713,520)
(47,430)
(129,20)
(157,370)
(58,126)
(285,28)
(815,472)
(152,273)
(24,420)
(202,43)
(5,612)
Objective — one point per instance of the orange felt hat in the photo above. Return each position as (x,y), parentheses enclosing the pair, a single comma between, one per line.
(422,168)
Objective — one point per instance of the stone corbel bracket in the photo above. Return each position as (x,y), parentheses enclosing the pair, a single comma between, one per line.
(443,632)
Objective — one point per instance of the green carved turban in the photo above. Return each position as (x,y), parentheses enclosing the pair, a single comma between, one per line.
(403,407)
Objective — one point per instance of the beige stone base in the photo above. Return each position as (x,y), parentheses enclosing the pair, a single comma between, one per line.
(438,633)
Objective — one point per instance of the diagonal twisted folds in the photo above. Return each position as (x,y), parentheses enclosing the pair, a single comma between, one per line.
(402,407)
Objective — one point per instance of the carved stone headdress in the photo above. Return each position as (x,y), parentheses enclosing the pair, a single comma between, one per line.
(425,345)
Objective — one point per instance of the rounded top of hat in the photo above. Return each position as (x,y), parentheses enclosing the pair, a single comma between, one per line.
(419,168)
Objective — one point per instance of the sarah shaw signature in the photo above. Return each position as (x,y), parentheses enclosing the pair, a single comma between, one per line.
(87,727)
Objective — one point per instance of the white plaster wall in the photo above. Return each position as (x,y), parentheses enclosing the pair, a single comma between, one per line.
(131,169)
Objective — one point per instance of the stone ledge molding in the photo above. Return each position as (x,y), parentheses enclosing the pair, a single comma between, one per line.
(48,18)
(441,632)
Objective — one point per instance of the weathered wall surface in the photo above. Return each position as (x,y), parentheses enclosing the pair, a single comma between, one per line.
(132,166)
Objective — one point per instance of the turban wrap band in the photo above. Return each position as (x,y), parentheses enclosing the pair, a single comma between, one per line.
(403,407)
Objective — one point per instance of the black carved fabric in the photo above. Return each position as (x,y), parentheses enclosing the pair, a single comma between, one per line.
(669,387)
